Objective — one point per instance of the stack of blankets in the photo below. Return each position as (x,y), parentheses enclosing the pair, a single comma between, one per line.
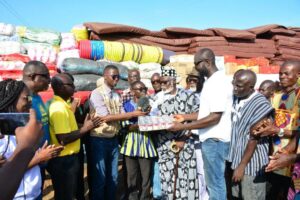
(274,42)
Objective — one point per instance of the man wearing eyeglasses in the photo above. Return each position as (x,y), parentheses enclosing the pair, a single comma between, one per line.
(37,79)
(107,104)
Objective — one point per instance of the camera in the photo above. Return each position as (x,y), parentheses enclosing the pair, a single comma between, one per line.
(10,121)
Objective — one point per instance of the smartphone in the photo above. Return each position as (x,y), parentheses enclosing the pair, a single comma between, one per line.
(10,121)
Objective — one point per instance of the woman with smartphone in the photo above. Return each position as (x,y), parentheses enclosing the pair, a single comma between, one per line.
(15,98)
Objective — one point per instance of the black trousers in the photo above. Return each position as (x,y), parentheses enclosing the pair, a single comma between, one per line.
(64,173)
(135,165)
(279,186)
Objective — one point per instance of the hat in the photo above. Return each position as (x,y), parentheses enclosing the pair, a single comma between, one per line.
(194,72)
(168,71)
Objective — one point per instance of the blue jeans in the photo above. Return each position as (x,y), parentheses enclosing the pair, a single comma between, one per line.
(104,169)
(214,154)
(156,184)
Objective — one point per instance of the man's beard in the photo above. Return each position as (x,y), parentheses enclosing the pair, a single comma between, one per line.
(168,90)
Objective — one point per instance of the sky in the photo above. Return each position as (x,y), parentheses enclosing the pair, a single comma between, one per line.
(62,15)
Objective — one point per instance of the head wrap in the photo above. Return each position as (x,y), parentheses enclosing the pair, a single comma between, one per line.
(168,71)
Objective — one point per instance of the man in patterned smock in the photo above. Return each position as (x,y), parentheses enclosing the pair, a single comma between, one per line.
(174,102)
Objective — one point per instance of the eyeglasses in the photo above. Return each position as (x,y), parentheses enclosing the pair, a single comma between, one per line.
(155,82)
(141,89)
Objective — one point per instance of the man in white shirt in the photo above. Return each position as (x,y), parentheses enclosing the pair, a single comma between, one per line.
(213,122)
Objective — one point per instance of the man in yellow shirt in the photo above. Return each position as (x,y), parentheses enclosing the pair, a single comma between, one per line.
(64,131)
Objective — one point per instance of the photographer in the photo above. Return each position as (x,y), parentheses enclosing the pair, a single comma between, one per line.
(15,98)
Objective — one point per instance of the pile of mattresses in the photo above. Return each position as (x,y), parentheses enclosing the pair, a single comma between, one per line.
(88,48)
(274,42)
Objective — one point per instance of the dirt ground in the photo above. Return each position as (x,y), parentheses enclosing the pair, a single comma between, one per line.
(48,193)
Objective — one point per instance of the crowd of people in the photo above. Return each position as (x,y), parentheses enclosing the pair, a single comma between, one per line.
(228,140)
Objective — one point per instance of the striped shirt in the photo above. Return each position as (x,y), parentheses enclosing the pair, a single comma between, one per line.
(136,143)
(244,115)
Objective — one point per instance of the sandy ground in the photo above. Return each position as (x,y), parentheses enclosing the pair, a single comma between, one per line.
(48,193)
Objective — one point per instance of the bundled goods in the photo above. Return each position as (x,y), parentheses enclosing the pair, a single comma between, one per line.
(148,69)
(80,32)
(43,54)
(84,66)
(88,82)
(9,47)
(7,29)
(15,57)
(68,42)
(14,38)
(130,65)
(93,50)
(11,65)
(260,41)
(259,65)
(74,53)
(119,51)
(288,48)
(39,35)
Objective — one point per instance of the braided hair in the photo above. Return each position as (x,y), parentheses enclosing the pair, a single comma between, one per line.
(10,91)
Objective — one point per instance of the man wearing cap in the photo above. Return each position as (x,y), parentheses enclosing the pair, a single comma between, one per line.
(194,81)
(176,155)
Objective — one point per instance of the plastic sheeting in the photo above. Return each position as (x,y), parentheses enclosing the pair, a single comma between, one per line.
(84,66)
(87,82)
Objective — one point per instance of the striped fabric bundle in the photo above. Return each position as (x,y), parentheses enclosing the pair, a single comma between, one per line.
(120,51)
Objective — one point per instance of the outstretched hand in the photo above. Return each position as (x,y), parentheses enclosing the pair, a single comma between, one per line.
(178,118)
(91,122)
(47,152)
(176,127)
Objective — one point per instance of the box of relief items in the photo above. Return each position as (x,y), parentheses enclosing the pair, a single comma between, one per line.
(154,123)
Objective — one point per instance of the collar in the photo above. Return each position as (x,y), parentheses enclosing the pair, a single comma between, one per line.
(241,103)
(58,98)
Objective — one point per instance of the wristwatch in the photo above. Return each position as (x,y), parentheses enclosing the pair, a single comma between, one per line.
(281,132)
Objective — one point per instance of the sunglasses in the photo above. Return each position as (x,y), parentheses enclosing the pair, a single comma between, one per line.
(114,77)
(155,82)
(141,89)
(164,82)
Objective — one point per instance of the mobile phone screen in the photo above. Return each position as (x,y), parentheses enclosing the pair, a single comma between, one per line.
(10,121)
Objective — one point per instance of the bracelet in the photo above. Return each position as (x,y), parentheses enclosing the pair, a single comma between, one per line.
(281,132)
